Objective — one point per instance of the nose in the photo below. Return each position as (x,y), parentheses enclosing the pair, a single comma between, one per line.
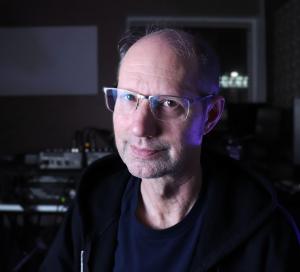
(143,122)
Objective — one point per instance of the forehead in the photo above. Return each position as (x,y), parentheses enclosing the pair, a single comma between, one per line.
(154,65)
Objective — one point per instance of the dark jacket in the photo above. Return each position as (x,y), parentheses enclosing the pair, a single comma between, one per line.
(244,229)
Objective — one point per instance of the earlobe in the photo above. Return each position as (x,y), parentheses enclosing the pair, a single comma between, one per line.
(214,113)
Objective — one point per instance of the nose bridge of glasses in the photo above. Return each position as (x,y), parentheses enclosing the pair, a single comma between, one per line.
(148,106)
(139,98)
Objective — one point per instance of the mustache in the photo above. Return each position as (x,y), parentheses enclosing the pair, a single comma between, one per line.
(149,144)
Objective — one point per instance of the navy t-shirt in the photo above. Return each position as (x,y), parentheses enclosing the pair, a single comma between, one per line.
(141,248)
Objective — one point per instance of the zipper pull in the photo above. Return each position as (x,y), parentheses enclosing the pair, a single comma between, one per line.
(81,260)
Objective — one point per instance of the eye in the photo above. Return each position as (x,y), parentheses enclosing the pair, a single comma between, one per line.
(128,97)
(168,103)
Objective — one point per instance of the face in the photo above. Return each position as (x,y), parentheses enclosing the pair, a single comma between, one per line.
(149,147)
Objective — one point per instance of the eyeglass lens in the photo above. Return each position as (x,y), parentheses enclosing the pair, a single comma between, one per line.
(163,107)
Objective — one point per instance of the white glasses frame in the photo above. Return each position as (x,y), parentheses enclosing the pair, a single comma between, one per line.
(139,96)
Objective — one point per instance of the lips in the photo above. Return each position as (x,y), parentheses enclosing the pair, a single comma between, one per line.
(145,153)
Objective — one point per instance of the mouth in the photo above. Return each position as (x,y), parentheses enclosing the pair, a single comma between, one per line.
(145,153)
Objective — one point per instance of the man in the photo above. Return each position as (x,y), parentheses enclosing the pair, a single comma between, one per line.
(160,209)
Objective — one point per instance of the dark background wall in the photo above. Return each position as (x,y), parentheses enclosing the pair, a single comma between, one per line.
(284,54)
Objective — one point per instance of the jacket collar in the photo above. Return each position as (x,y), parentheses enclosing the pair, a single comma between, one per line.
(101,189)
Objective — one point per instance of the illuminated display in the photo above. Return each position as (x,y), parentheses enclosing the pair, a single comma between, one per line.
(234,80)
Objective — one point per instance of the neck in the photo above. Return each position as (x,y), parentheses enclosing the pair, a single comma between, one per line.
(164,202)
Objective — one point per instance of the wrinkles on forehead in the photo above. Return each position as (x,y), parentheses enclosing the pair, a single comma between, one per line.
(159,84)
(154,71)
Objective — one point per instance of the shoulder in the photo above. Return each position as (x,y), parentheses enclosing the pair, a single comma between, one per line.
(279,241)
(283,231)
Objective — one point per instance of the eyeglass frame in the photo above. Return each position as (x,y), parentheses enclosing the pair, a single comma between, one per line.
(148,97)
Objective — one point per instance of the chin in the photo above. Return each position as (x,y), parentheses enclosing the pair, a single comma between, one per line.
(146,170)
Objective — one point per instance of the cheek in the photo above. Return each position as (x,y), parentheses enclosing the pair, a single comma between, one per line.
(194,133)
(119,126)
(187,137)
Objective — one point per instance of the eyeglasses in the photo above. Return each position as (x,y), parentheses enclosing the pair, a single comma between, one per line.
(163,107)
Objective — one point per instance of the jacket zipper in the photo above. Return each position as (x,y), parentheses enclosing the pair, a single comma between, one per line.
(81,260)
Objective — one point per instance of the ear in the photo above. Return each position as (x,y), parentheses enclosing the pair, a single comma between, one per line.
(214,112)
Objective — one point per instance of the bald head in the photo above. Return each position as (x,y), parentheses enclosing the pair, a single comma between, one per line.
(200,59)
(157,56)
